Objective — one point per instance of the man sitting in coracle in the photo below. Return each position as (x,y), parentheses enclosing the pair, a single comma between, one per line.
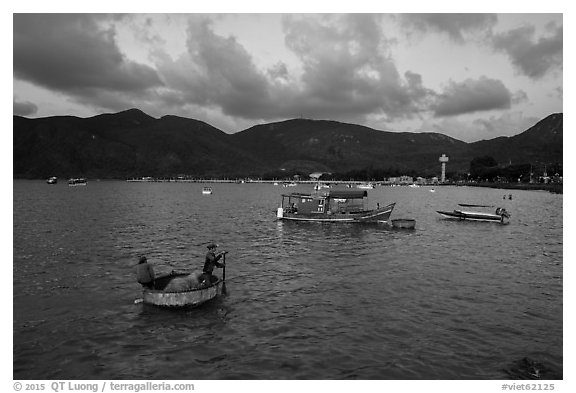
(145,273)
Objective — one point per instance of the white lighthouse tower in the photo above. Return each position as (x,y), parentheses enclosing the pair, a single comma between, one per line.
(443,159)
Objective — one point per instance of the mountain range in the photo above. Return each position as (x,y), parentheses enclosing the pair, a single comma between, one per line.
(134,144)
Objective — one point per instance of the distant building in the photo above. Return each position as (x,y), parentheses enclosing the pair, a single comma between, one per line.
(443,160)
(406,180)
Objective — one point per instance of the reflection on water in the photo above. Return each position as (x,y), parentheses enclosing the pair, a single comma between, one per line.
(448,300)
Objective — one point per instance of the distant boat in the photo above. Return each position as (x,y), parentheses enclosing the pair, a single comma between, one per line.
(432,190)
(289,184)
(319,186)
(332,206)
(52,180)
(80,181)
(207,191)
(365,186)
(500,215)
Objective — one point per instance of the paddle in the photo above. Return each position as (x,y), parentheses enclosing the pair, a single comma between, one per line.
(224,273)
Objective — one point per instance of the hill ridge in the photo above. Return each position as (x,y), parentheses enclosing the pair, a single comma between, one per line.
(131,143)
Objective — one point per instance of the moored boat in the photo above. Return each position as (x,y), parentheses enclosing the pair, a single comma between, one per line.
(188,298)
(332,206)
(365,186)
(501,215)
(80,181)
(206,191)
(52,180)
(319,186)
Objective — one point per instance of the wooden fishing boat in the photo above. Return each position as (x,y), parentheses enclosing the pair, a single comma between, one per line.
(500,215)
(332,206)
(189,298)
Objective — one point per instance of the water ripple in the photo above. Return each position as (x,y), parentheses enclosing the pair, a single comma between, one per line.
(448,300)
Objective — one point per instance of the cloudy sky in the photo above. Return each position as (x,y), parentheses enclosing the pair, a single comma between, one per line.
(470,76)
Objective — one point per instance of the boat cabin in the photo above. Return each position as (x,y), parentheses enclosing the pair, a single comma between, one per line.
(331,202)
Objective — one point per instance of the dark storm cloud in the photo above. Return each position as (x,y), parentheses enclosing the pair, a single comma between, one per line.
(215,71)
(232,79)
(74,54)
(24,108)
(347,68)
(456,26)
(533,58)
(473,96)
(345,71)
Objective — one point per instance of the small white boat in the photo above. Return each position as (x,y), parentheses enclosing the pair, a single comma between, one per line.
(365,186)
(320,186)
(207,191)
(52,180)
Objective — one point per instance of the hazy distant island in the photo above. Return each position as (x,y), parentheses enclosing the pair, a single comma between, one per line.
(132,144)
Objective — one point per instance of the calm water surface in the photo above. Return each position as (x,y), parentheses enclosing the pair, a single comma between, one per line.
(448,300)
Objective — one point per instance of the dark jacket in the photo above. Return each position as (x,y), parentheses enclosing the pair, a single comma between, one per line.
(211,261)
(144,273)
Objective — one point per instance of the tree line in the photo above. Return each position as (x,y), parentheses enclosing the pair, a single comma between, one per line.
(482,169)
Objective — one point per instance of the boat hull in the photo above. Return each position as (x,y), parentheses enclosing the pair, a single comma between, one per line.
(473,216)
(191,298)
(377,215)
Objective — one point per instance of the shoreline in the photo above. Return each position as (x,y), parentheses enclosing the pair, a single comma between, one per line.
(555,188)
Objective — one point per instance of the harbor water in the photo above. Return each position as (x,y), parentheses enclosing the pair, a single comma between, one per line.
(446,300)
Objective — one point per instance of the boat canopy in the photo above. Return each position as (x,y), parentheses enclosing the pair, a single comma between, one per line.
(334,194)
(347,194)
